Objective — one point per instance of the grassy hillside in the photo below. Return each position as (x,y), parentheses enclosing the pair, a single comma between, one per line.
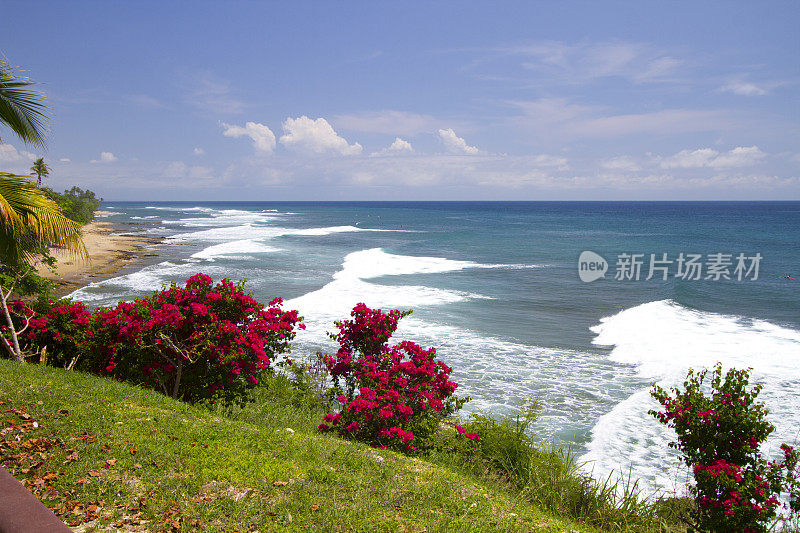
(112,456)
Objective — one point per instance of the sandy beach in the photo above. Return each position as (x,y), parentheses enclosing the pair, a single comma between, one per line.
(108,253)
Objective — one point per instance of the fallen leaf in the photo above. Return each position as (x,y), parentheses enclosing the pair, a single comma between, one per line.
(133,451)
(280,483)
(95,473)
(315,507)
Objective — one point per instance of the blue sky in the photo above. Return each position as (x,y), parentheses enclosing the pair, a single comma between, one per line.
(413,101)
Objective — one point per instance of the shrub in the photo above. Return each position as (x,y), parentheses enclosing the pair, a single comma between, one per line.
(76,204)
(195,342)
(393,396)
(736,489)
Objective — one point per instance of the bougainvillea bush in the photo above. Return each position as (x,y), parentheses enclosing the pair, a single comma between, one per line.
(719,436)
(391,396)
(195,342)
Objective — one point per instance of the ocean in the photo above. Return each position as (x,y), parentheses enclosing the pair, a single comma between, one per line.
(495,288)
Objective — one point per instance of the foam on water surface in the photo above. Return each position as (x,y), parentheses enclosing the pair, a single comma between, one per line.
(661,340)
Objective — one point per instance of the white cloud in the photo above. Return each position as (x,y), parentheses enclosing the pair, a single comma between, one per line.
(65,160)
(176,169)
(623,162)
(262,137)
(550,161)
(105,157)
(315,137)
(210,94)
(200,151)
(455,144)
(179,169)
(398,147)
(389,122)
(741,156)
(666,121)
(577,63)
(560,120)
(743,89)
(9,154)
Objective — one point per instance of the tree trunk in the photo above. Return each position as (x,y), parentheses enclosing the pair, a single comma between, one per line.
(15,350)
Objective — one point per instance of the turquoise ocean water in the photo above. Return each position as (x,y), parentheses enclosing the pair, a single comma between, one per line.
(495,288)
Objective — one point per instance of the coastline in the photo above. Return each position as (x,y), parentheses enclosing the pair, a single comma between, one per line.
(111,247)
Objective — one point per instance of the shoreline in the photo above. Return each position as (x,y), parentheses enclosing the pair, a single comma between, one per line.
(111,247)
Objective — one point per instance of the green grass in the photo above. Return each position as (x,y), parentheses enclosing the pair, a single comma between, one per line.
(167,466)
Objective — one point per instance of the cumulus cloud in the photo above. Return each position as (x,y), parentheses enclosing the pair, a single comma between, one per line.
(200,151)
(741,156)
(455,144)
(315,137)
(105,157)
(9,154)
(398,147)
(262,137)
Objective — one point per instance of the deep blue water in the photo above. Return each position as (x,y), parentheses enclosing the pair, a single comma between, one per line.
(495,288)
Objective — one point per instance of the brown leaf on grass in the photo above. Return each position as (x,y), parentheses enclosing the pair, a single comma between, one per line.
(280,483)
(137,465)
(315,507)
(133,450)
(109,463)
(105,447)
(95,473)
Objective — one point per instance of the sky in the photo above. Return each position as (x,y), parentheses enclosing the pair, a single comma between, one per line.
(561,100)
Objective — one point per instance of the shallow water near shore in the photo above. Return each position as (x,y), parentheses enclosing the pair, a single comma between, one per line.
(495,288)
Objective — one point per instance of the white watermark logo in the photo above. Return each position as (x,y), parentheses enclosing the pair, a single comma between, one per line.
(687,266)
(591,266)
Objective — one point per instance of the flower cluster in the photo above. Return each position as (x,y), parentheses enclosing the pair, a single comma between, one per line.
(191,342)
(395,395)
(735,489)
(62,330)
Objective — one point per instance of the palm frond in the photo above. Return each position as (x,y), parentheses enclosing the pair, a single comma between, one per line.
(21,108)
(30,221)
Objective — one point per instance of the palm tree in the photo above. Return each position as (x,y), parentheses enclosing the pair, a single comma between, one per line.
(29,221)
(40,169)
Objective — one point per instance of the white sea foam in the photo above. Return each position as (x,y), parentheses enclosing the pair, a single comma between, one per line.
(147,280)
(196,208)
(497,373)
(234,248)
(260,232)
(662,340)
(145,218)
